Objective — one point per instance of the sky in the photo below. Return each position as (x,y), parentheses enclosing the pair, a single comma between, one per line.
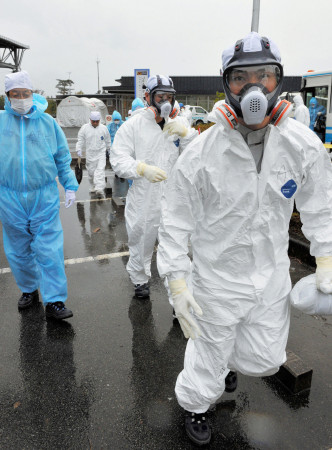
(173,37)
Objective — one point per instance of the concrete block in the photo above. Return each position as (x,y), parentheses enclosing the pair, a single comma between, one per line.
(119,201)
(295,375)
(108,186)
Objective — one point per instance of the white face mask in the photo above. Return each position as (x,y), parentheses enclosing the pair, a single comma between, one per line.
(254,106)
(117,122)
(165,109)
(21,105)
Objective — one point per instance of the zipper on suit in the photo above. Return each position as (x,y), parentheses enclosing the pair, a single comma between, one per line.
(23,156)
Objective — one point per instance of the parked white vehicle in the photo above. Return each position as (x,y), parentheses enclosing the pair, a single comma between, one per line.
(198,114)
(319,85)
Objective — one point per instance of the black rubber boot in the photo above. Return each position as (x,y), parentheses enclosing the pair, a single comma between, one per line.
(197,428)
(231,382)
(57,310)
(142,290)
(28,299)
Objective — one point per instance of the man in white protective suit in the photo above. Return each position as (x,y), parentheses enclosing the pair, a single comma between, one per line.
(96,140)
(231,193)
(301,112)
(144,150)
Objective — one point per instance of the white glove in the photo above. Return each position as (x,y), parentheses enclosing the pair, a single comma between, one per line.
(183,301)
(324,274)
(151,173)
(70,197)
(176,127)
(79,152)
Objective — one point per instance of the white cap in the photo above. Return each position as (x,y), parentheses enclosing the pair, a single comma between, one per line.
(18,80)
(251,43)
(95,115)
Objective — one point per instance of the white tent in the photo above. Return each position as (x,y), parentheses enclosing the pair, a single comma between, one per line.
(75,111)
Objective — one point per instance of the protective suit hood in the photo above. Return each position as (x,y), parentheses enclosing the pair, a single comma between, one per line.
(136,104)
(116,116)
(313,102)
(298,100)
(39,106)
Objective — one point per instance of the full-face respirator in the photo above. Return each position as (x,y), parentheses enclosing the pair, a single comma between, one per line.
(162,92)
(252,81)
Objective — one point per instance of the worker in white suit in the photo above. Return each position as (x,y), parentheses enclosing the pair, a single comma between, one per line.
(144,150)
(301,113)
(96,140)
(231,194)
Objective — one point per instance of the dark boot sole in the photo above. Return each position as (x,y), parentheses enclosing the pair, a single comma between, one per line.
(196,441)
(34,301)
(57,317)
(26,306)
(142,297)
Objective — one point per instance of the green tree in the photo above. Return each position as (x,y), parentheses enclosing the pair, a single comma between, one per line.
(64,86)
(51,109)
(2,102)
(219,96)
(79,93)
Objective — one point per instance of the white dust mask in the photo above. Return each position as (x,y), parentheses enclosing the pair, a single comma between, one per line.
(21,105)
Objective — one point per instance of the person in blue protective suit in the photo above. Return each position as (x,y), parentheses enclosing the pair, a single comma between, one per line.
(137,105)
(315,110)
(114,125)
(33,152)
(231,195)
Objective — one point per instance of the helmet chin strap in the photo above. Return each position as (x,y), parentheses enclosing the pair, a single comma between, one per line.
(226,115)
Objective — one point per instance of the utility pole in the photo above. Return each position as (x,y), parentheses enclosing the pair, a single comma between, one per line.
(98,73)
(255,15)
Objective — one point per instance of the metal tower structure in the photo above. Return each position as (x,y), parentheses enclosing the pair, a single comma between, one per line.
(11,53)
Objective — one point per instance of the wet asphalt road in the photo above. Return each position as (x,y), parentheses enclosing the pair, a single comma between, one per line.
(105,378)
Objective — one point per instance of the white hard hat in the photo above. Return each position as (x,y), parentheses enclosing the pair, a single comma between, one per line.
(252,43)
(161,82)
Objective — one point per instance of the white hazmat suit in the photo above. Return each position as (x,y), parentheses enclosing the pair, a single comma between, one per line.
(301,113)
(186,115)
(95,141)
(141,139)
(237,221)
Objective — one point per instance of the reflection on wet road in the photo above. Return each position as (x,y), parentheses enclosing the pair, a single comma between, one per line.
(105,378)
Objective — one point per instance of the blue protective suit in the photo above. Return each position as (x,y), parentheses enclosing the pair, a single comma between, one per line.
(314,109)
(33,152)
(113,127)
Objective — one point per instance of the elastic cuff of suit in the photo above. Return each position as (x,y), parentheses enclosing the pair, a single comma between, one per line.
(177,286)
(324,262)
(141,168)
